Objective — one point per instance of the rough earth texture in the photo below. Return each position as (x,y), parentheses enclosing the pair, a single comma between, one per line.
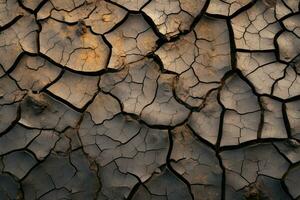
(149,99)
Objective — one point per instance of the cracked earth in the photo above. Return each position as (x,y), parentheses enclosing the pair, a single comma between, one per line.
(149,99)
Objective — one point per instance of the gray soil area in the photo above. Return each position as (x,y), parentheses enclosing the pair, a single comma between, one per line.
(149,99)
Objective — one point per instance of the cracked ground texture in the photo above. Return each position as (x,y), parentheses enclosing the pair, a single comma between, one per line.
(149,99)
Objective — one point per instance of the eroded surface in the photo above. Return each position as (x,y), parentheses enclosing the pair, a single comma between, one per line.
(149,99)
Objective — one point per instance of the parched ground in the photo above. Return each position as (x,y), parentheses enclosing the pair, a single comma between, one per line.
(149,99)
